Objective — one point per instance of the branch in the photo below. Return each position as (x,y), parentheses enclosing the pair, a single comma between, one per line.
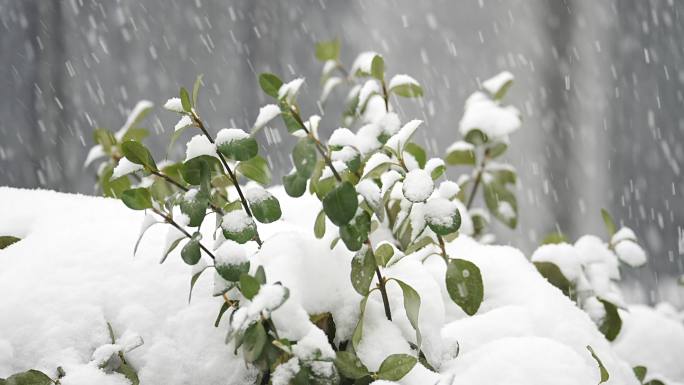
(319,146)
(169,220)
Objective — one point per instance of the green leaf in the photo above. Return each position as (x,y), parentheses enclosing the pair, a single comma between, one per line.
(476,137)
(254,341)
(362,271)
(190,253)
(612,323)
(408,90)
(604,373)
(383,254)
(291,123)
(655,382)
(29,377)
(464,285)
(266,208)
(137,153)
(640,372)
(328,50)
(193,281)
(378,68)
(412,306)
(113,188)
(608,220)
(195,208)
(350,366)
(239,149)
(137,198)
(553,274)
(437,220)
(396,366)
(415,246)
(249,286)
(191,171)
(244,235)
(295,184)
(270,83)
(341,203)
(128,372)
(171,247)
(501,92)
(355,233)
(224,307)
(496,149)
(255,169)
(304,157)
(319,225)
(185,100)
(502,203)
(136,134)
(105,138)
(554,238)
(358,330)
(196,88)
(417,152)
(232,272)
(461,157)
(260,275)
(7,240)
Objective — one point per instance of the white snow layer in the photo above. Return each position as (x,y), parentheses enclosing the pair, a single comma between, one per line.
(125,167)
(199,145)
(73,271)
(494,120)
(266,114)
(495,83)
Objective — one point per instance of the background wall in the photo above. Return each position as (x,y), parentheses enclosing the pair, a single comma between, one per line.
(599,83)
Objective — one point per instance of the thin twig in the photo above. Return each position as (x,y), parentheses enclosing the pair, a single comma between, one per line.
(381,284)
(319,146)
(478,179)
(173,223)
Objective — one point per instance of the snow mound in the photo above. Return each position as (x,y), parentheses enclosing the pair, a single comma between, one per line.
(73,272)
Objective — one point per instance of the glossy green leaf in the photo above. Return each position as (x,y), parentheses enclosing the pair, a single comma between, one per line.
(328,50)
(254,341)
(224,307)
(249,286)
(553,274)
(29,377)
(349,365)
(232,272)
(7,240)
(602,369)
(185,100)
(355,233)
(243,235)
(411,306)
(341,203)
(190,253)
(294,184)
(137,198)
(611,324)
(135,134)
(265,209)
(396,366)
(239,149)
(113,188)
(255,169)
(195,208)
(383,254)
(270,84)
(464,285)
(191,170)
(408,90)
(608,221)
(304,157)
(362,271)
(378,67)
(319,225)
(137,153)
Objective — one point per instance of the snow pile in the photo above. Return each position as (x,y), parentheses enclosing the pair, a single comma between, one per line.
(484,114)
(73,271)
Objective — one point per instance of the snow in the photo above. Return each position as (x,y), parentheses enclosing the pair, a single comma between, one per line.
(257,194)
(199,145)
(228,135)
(495,83)
(363,62)
(370,192)
(230,254)
(403,136)
(125,167)
(289,90)
(80,250)
(236,221)
(563,255)
(266,114)
(402,80)
(133,117)
(483,113)
(460,146)
(440,211)
(369,88)
(284,372)
(174,104)
(95,152)
(329,85)
(448,189)
(184,121)
(630,253)
(625,233)
(418,185)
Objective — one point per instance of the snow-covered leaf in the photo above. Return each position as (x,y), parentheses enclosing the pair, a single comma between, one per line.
(396,366)
(263,204)
(236,144)
(442,215)
(294,184)
(137,153)
(190,253)
(238,226)
(411,306)
(362,271)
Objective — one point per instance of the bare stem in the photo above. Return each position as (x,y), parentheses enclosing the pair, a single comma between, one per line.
(319,146)
(478,179)
(180,228)
(382,282)
(227,168)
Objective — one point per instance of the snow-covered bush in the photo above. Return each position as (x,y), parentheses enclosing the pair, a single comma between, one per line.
(392,282)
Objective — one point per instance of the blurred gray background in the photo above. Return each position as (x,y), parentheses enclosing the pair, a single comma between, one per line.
(599,84)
